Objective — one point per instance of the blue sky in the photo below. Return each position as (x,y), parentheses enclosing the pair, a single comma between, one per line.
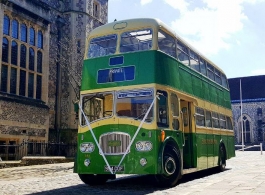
(231,33)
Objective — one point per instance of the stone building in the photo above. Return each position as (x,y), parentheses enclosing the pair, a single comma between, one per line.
(42,51)
(253,109)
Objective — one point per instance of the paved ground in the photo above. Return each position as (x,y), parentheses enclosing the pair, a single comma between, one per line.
(245,174)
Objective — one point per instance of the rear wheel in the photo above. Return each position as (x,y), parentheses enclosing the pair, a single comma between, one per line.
(222,158)
(170,168)
(93,179)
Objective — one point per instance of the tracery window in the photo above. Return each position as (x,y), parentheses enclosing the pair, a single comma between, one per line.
(6,25)
(14,53)
(23,33)
(40,40)
(5,50)
(15,29)
(32,36)
(21,74)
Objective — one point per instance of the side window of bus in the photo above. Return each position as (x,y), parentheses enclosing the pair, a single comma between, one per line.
(224,81)
(175,111)
(166,43)
(222,121)
(210,71)
(139,40)
(183,53)
(200,117)
(215,119)
(229,123)
(194,61)
(208,119)
(102,46)
(203,66)
(218,77)
(162,112)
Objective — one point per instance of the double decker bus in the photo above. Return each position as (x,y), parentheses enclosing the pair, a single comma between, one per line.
(150,104)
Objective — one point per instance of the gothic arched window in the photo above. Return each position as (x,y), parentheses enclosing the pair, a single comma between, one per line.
(5,50)
(15,29)
(23,33)
(40,40)
(32,36)
(14,53)
(31,58)
(39,62)
(23,56)
(6,25)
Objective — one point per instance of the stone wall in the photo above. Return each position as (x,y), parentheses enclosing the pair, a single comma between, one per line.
(249,110)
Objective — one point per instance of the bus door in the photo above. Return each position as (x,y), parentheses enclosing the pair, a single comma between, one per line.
(186,128)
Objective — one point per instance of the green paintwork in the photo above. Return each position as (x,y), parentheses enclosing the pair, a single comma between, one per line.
(131,161)
(157,67)
(199,150)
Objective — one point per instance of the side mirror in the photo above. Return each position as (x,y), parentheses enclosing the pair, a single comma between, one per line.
(76,106)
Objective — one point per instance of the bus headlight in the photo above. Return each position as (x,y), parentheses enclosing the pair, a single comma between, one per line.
(87,147)
(139,146)
(143,146)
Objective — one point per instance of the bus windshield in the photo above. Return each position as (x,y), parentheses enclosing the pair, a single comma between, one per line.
(136,40)
(102,46)
(135,104)
(97,106)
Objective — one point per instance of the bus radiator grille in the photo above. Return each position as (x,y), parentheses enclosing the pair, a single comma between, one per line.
(114,143)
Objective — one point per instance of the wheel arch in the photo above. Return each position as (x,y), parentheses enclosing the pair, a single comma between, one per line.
(169,141)
(222,144)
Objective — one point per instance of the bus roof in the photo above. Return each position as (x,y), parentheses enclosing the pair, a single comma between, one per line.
(121,25)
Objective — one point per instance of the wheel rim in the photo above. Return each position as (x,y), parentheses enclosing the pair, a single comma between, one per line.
(170,166)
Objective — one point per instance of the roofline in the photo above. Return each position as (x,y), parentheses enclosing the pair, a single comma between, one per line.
(160,24)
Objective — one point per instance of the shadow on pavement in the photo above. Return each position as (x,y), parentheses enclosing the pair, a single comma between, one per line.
(131,185)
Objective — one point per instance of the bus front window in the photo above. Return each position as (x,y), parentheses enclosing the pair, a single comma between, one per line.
(135,104)
(97,106)
(139,40)
(102,46)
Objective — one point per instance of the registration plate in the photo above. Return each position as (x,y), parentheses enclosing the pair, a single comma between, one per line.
(114,168)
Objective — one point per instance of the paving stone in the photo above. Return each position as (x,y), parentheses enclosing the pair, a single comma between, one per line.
(245,174)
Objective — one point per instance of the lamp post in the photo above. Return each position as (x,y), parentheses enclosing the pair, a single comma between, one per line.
(241,117)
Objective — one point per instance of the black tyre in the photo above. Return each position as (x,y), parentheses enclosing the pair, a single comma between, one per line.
(93,179)
(171,168)
(222,158)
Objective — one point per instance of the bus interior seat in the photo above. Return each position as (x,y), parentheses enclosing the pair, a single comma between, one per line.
(124,113)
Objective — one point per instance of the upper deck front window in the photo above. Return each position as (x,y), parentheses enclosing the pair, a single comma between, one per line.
(139,40)
(102,46)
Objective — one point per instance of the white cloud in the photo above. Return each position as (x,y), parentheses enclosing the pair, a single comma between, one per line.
(209,28)
(144,2)
(258,72)
(178,4)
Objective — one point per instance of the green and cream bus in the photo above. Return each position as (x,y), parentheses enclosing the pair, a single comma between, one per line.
(150,104)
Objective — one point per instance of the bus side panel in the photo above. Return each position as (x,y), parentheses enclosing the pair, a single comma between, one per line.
(230,145)
(202,161)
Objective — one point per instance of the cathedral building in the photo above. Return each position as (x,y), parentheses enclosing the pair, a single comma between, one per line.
(43,43)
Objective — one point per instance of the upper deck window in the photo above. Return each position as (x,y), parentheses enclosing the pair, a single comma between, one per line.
(102,46)
(183,53)
(139,40)
(166,43)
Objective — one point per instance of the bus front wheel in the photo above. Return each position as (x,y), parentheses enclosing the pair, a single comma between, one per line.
(171,168)
(94,179)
